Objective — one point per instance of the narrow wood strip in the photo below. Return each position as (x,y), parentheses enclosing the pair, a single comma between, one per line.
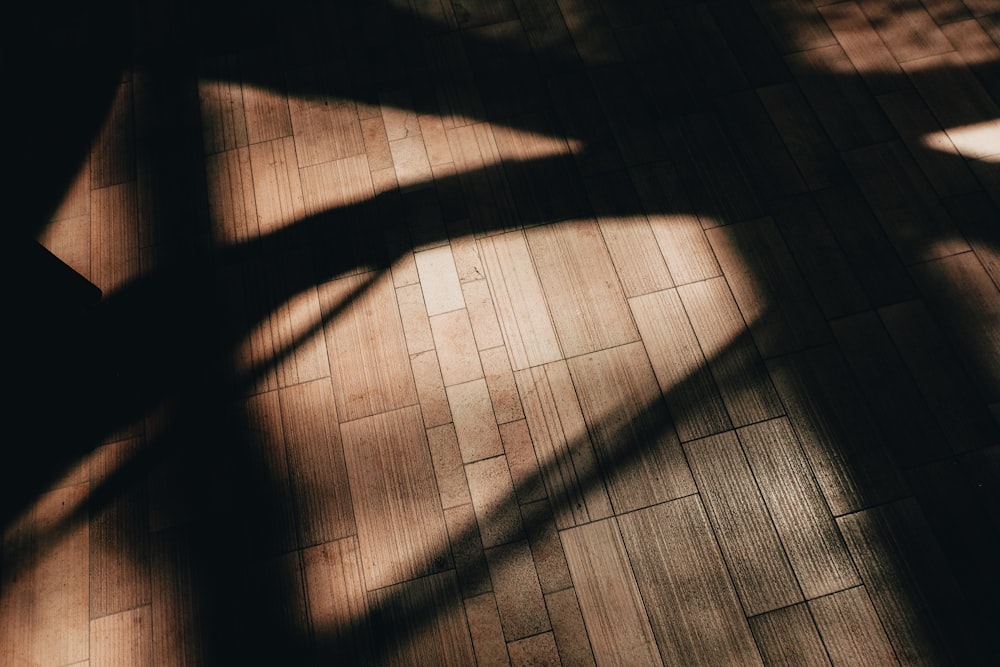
(528,330)
(448,468)
(524,469)
(637,448)
(482,314)
(568,629)
(851,629)
(581,288)
(840,440)
(609,596)
(475,421)
(562,445)
(487,633)
(401,536)
(760,569)
(422,622)
(413,314)
(734,360)
(325,127)
(537,650)
(113,157)
(693,608)
(871,57)
(316,463)
(546,549)
(788,636)
(500,381)
(430,389)
(367,349)
(467,550)
(685,381)
(906,28)
(800,514)
(493,498)
(519,596)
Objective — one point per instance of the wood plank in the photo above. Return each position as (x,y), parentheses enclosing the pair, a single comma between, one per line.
(581,288)
(718,184)
(439,280)
(277,186)
(475,421)
(546,549)
(482,314)
(487,193)
(401,536)
(467,550)
(114,237)
(448,466)
(841,100)
(851,629)
(124,639)
(965,299)
(455,343)
(44,612)
(940,376)
(788,637)
(776,303)
(316,463)
(868,250)
(336,184)
(977,48)
(906,28)
(373,131)
(677,228)
(487,633)
(836,430)
(325,127)
(113,156)
(119,535)
(422,622)
(794,26)
(757,562)
(735,363)
(538,650)
(609,597)
(803,135)
(500,382)
(637,448)
(223,121)
(901,412)
(413,314)
(562,445)
(868,53)
(910,584)
(368,357)
(265,109)
(568,629)
(521,459)
(519,596)
(681,370)
(493,498)
(627,234)
(693,608)
(339,610)
(430,389)
(232,209)
(825,266)
(527,326)
(800,514)
(907,208)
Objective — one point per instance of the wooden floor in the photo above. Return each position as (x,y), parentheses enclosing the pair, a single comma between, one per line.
(527,332)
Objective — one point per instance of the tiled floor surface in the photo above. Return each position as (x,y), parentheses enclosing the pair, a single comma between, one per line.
(528,332)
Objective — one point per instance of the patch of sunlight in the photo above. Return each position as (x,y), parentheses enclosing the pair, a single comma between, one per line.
(978,141)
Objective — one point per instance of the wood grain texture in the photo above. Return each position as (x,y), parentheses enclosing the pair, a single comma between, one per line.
(676,571)
(788,637)
(742,524)
(687,385)
(731,355)
(475,421)
(609,597)
(455,343)
(124,639)
(851,630)
(637,449)
(367,348)
(401,536)
(562,445)
(528,329)
(800,514)
(581,288)
(487,633)
(519,596)
(492,491)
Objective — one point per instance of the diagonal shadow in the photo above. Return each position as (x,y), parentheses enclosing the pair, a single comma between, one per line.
(157,310)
